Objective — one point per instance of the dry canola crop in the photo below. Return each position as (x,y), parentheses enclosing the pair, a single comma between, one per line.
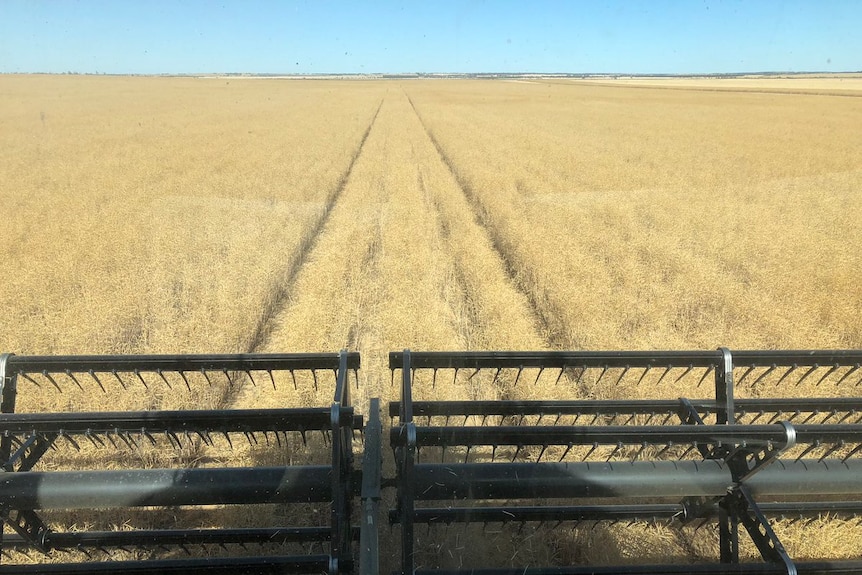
(183,215)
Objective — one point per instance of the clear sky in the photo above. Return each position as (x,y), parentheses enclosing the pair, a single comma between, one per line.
(268,36)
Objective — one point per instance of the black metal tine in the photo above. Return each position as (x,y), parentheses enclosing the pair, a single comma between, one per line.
(643,375)
(639,451)
(467,454)
(227,437)
(111,439)
(472,375)
(28,378)
(853,452)
(538,375)
(454,375)
(835,447)
(590,452)
(809,449)
(314,378)
(794,415)
(667,418)
(812,415)
(165,379)
(746,374)
(93,375)
(122,436)
(518,376)
(70,440)
(251,378)
(756,417)
(807,373)
(119,379)
(51,379)
(442,454)
(227,375)
(172,438)
(496,375)
(847,415)
(602,374)
(687,451)
(829,416)
(685,373)
(614,452)
(304,439)
(71,376)
(630,419)
(775,417)
(206,377)
(706,372)
(664,373)
(131,438)
(95,438)
(185,380)
(434,378)
(786,373)
(539,458)
(493,452)
(560,376)
(849,371)
(622,374)
(140,377)
(145,433)
(832,370)
(764,374)
(90,437)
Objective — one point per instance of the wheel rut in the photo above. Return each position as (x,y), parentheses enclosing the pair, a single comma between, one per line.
(309,241)
(552,332)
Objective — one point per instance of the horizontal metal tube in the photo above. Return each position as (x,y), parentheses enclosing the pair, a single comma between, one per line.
(302,419)
(605,434)
(157,537)
(709,478)
(213,362)
(625,407)
(808,568)
(554,359)
(208,565)
(627,434)
(164,487)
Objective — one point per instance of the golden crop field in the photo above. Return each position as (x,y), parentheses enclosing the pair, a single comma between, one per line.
(210,215)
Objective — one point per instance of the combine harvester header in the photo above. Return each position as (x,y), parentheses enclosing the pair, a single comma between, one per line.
(729,462)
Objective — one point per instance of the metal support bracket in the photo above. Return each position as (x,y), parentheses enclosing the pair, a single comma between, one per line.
(29,526)
(745,461)
(29,453)
(758,527)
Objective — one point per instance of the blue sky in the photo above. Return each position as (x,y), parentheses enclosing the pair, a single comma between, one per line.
(266,36)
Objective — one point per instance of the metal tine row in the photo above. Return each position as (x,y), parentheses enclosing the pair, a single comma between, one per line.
(572,524)
(133,440)
(230,376)
(188,548)
(832,368)
(581,371)
(817,449)
(549,419)
(616,452)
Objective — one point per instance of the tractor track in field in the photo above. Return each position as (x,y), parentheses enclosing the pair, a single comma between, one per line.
(551,332)
(309,241)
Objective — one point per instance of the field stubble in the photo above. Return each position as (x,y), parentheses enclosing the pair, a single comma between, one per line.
(184,215)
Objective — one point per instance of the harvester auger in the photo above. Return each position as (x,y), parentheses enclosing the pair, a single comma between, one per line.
(521,458)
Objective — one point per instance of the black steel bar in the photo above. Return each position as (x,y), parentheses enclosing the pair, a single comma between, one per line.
(626,407)
(554,359)
(294,419)
(677,479)
(622,359)
(158,537)
(164,487)
(264,565)
(627,434)
(214,362)
(405,461)
(808,568)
